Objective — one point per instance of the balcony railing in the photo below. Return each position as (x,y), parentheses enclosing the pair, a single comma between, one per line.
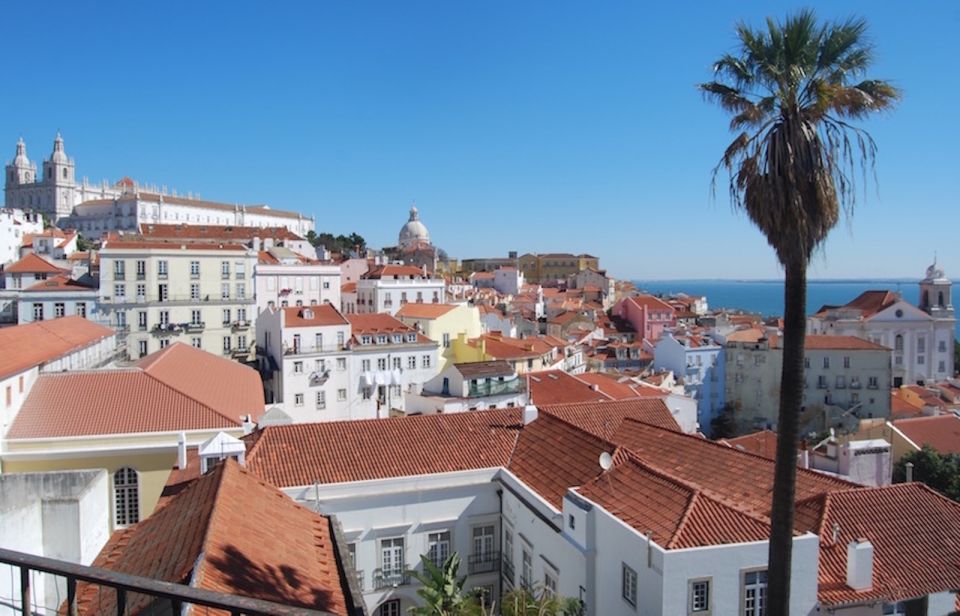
(195,327)
(177,299)
(241,324)
(484,562)
(127,588)
(166,328)
(495,388)
(389,578)
(307,349)
(507,570)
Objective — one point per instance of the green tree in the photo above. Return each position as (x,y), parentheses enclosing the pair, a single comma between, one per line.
(938,471)
(83,244)
(442,590)
(522,602)
(792,90)
(723,425)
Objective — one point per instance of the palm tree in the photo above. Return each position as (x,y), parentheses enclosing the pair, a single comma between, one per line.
(792,89)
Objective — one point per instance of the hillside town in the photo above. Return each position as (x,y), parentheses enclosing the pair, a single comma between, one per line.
(204,394)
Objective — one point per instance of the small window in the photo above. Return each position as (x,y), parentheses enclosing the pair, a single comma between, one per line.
(572,522)
(126,496)
(629,585)
(341,395)
(298,367)
(699,596)
(298,399)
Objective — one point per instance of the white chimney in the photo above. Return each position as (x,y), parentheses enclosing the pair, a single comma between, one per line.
(909,468)
(182,451)
(595,387)
(530,413)
(248,425)
(859,564)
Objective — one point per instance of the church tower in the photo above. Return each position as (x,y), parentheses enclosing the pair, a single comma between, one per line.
(59,182)
(20,172)
(935,293)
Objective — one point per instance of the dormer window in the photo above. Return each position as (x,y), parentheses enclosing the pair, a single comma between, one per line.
(381,339)
(397,338)
(366,340)
(411,337)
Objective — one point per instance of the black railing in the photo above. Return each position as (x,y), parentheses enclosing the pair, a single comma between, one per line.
(483,562)
(175,595)
(390,578)
(507,571)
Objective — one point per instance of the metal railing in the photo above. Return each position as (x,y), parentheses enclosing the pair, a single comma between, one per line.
(155,298)
(495,388)
(507,570)
(484,562)
(306,349)
(390,578)
(122,584)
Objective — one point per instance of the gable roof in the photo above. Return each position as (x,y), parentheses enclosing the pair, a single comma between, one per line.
(942,432)
(211,535)
(61,282)
(603,419)
(484,369)
(389,271)
(424,311)
(32,344)
(762,443)
(557,386)
(32,263)
(320,315)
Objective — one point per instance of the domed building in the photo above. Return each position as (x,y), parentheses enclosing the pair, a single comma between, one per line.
(414,232)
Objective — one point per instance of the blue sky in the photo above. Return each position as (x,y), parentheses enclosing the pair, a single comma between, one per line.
(530,126)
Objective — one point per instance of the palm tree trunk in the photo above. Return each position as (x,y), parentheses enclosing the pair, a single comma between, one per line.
(785,477)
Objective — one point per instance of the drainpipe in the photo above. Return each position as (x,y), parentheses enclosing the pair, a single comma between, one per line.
(500,564)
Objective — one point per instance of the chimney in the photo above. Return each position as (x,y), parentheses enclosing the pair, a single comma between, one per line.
(595,387)
(530,414)
(859,564)
(248,425)
(182,451)
(909,468)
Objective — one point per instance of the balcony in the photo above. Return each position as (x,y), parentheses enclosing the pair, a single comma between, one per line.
(484,562)
(141,276)
(241,324)
(507,570)
(854,384)
(195,327)
(176,299)
(304,349)
(166,328)
(319,377)
(389,578)
(495,388)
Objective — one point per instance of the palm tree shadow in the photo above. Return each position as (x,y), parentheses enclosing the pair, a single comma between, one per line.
(282,584)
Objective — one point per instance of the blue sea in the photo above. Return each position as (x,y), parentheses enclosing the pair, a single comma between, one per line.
(766,296)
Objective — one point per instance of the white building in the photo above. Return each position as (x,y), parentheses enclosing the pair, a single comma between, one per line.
(667,524)
(14,225)
(386,288)
(508,280)
(57,297)
(199,293)
(286,278)
(700,362)
(25,273)
(921,338)
(469,387)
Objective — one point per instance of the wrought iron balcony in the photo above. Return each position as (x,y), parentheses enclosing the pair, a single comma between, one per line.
(389,578)
(484,562)
(165,596)
(241,324)
(166,328)
(194,327)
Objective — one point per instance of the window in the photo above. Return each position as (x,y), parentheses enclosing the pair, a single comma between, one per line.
(298,367)
(921,344)
(321,400)
(381,339)
(119,291)
(396,363)
(895,609)
(381,363)
(164,317)
(365,365)
(126,497)
(298,399)
(9,395)
(898,343)
(239,271)
(392,561)
(142,348)
(224,269)
(412,362)
(142,320)
(82,310)
(225,290)
(872,382)
(755,593)
(941,366)
(572,522)
(194,291)
(550,582)
(227,316)
(826,362)
(195,342)
(241,290)
(446,341)
(38,312)
(141,292)
(341,395)
(483,539)
(526,567)
(411,337)
(920,359)
(366,339)
(340,341)
(226,344)
(195,317)
(162,269)
(164,343)
(628,585)
(341,363)
(699,596)
(438,547)
(390,608)
(119,270)
(425,361)
(194,269)
(162,292)
(59,310)
(846,362)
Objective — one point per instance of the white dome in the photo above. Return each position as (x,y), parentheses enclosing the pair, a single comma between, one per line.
(58,155)
(414,231)
(21,160)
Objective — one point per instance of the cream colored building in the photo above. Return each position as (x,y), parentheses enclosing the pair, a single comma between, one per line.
(158,292)
(845,379)
(442,323)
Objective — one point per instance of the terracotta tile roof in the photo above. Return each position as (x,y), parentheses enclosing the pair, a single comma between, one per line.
(847,343)
(901,408)
(870,303)
(484,369)
(616,389)
(676,513)
(536,463)
(734,477)
(320,315)
(32,264)
(59,283)
(117,242)
(348,287)
(424,311)
(603,419)
(32,344)
(380,323)
(177,388)
(213,536)
(217,233)
(335,452)
(762,443)
(389,271)
(211,205)
(942,432)
(557,386)
(750,334)
(915,534)
(650,302)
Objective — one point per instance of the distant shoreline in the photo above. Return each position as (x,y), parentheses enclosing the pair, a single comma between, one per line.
(775,281)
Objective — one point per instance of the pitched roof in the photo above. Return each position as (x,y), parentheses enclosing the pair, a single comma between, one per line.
(762,443)
(263,210)
(214,233)
(848,343)
(557,386)
(32,264)
(61,282)
(942,432)
(870,303)
(650,302)
(313,316)
(177,388)
(379,323)
(484,369)
(424,311)
(902,408)
(677,514)
(33,344)
(211,536)
(339,451)
(115,241)
(915,534)
(388,271)
(619,390)
(603,419)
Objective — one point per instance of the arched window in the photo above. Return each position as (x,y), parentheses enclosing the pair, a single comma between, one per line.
(64,173)
(898,343)
(126,496)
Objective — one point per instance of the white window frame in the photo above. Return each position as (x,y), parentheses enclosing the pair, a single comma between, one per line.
(694,606)
(439,545)
(628,584)
(126,484)
(321,400)
(757,589)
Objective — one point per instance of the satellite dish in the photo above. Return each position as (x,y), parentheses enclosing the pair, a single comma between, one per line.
(606,461)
